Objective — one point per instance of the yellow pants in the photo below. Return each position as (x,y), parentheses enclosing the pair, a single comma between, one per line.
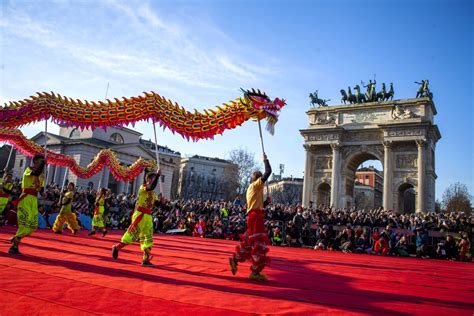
(143,231)
(98,219)
(3,204)
(66,218)
(27,214)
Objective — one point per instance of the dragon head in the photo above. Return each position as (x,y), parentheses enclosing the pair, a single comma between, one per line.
(264,107)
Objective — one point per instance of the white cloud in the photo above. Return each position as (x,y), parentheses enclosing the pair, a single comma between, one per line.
(170,54)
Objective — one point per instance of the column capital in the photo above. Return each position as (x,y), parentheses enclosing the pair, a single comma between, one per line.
(307,147)
(420,142)
(387,143)
(335,146)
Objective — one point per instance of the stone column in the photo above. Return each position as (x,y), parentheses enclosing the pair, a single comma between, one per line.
(57,175)
(139,181)
(307,177)
(120,187)
(421,176)
(335,176)
(387,176)
(104,183)
(51,172)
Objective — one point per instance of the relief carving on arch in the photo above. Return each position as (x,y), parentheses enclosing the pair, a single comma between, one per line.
(323,162)
(406,161)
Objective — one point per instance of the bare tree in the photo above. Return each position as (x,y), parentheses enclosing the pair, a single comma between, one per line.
(246,164)
(457,198)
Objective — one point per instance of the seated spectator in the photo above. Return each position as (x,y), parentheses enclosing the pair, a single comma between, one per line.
(362,242)
(401,247)
(277,237)
(200,228)
(421,242)
(382,245)
(323,240)
(450,248)
(346,239)
(463,247)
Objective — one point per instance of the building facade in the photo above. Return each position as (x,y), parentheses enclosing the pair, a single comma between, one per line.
(207,178)
(84,145)
(287,191)
(368,188)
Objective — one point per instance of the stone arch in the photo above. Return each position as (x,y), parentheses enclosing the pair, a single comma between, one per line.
(351,162)
(405,200)
(323,193)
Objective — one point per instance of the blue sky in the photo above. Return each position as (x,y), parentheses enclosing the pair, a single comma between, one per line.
(199,53)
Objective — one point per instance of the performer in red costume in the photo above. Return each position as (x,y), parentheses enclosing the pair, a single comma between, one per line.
(253,243)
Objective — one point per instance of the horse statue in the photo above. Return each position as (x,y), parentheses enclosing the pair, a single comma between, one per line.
(316,100)
(349,97)
(390,93)
(359,97)
(424,91)
(381,95)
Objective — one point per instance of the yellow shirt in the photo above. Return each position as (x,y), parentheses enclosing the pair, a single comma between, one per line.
(67,207)
(32,182)
(100,200)
(255,195)
(146,198)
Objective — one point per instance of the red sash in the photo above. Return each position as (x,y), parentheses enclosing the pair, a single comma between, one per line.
(4,195)
(137,220)
(23,195)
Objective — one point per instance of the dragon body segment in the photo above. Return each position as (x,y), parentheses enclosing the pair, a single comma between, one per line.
(150,106)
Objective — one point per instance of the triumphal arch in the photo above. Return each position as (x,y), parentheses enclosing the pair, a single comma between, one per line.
(401,134)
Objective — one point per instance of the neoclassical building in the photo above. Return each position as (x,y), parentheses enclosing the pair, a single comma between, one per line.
(207,178)
(285,190)
(83,146)
(401,134)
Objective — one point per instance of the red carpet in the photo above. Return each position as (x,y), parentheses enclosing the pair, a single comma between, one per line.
(64,274)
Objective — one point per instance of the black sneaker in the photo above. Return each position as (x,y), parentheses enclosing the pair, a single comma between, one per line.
(14,251)
(104,233)
(58,232)
(91,233)
(115,252)
(74,232)
(147,263)
(233,265)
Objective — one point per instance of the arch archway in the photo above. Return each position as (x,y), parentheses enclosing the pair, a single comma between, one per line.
(323,194)
(406,193)
(362,186)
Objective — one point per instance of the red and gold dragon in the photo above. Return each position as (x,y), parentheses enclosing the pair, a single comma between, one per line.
(150,106)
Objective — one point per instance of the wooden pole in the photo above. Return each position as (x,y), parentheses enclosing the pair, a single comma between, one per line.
(158,159)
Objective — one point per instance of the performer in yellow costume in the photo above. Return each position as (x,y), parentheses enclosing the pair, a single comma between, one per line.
(66,216)
(27,207)
(98,219)
(6,188)
(142,221)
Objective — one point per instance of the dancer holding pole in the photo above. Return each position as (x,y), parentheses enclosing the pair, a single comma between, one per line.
(253,245)
(141,228)
(142,222)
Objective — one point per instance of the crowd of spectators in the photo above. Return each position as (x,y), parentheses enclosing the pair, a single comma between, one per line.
(436,235)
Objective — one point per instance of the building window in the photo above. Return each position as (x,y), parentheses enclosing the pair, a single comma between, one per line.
(21,163)
(75,133)
(162,178)
(116,138)
(367,176)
